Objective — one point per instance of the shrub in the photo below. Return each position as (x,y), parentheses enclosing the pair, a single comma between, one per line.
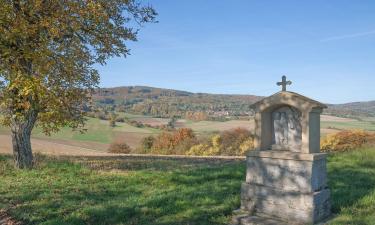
(147,143)
(246,145)
(163,143)
(347,140)
(112,123)
(182,134)
(196,116)
(119,148)
(120,119)
(184,142)
(233,142)
(184,145)
(199,149)
(211,149)
(135,123)
(177,142)
(102,116)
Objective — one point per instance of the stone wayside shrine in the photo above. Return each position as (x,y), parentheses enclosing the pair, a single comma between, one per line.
(286,178)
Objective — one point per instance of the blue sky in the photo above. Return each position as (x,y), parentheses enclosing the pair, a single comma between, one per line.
(327,48)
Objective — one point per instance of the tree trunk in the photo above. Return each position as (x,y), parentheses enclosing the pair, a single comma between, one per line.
(21,134)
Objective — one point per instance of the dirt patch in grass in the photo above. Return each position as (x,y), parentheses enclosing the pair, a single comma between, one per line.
(6,219)
(130,138)
(82,144)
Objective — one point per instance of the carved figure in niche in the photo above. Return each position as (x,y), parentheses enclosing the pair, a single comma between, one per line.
(281,128)
(287,130)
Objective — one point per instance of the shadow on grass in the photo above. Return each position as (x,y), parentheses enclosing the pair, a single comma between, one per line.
(66,193)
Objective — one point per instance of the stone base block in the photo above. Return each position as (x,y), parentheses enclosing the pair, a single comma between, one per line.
(287,170)
(293,206)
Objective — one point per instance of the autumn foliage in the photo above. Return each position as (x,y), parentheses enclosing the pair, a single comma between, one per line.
(183,141)
(48,54)
(347,140)
(234,142)
(196,116)
(119,148)
(173,142)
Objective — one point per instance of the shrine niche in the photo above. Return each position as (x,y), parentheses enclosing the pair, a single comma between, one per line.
(288,121)
(287,129)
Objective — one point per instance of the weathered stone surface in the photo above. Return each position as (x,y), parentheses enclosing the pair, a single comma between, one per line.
(279,170)
(286,205)
(287,129)
(287,155)
(309,119)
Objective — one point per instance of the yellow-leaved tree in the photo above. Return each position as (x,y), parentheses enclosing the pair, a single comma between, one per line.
(47,52)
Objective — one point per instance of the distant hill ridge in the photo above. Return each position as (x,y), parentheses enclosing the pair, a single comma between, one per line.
(126,91)
(352,109)
(166,102)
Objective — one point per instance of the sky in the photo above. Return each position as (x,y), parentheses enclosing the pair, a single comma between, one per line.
(326,48)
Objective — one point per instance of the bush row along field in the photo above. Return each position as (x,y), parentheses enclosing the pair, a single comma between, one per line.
(163,191)
(347,140)
(236,142)
(183,141)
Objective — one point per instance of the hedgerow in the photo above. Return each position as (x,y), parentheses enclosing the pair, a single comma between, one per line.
(347,140)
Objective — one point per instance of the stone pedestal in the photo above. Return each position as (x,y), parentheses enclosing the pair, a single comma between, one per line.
(286,185)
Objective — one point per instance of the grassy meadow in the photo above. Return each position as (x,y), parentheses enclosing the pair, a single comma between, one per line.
(137,192)
(163,191)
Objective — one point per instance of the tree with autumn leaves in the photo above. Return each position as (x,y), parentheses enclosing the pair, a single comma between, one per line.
(47,52)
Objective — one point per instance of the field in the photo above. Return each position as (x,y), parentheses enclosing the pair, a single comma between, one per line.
(214,126)
(339,125)
(125,191)
(99,134)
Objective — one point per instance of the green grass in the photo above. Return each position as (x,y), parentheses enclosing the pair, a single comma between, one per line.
(97,131)
(166,192)
(163,191)
(352,183)
(132,116)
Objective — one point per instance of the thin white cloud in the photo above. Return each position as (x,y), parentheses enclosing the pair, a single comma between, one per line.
(348,36)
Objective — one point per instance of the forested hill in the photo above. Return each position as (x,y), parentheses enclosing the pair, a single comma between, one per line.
(354,109)
(167,103)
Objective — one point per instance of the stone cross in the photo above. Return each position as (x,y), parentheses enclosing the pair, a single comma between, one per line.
(284,83)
